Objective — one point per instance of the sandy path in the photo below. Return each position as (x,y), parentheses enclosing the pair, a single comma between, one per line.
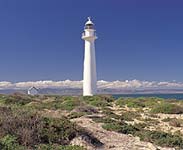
(111,140)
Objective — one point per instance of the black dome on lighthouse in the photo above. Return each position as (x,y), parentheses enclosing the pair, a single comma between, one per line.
(89,24)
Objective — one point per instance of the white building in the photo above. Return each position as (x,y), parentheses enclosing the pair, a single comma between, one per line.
(89,73)
(33,91)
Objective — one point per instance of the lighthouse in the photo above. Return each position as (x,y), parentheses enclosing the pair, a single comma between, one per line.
(89,73)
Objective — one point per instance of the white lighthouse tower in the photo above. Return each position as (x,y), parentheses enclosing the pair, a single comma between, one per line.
(89,74)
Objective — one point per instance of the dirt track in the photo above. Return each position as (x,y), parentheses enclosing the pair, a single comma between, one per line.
(111,140)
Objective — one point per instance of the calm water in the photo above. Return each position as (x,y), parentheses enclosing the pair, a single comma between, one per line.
(165,96)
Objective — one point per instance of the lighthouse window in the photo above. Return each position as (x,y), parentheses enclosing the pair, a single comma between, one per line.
(89,26)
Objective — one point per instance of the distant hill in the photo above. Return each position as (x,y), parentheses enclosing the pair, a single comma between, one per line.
(78,91)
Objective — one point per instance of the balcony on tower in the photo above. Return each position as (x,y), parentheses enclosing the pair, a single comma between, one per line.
(89,35)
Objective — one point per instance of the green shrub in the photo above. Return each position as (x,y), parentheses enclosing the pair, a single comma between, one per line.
(67,103)
(2,99)
(59,131)
(129,116)
(121,127)
(9,142)
(157,137)
(24,125)
(130,102)
(161,138)
(98,101)
(114,126)
(31,128)
(152,101)
(167,108)
(18,99)
(71,104)
(5,110)
(140,102)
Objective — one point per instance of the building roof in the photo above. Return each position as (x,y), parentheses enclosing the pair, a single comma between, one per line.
(89,21)
(31,88)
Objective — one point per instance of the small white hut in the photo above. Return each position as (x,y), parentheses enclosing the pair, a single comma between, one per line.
(33,91)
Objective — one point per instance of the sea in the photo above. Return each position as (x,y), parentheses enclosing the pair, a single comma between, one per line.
(165,96)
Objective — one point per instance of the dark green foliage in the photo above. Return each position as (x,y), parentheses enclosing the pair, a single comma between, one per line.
(24,125)
(128,129)
(129,116)
(24,128)
(17,99)
(71,104)
(167,108)
(114,126)
(98,101)
(110,114)
(156,137)
(9,142)
(2,99)
(5,110)
(30,128)
(137,102)
(63,103)
(59,131)
(161,138)
(121,127)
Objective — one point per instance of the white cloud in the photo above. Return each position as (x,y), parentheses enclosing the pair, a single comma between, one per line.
(5,85)
(127,84)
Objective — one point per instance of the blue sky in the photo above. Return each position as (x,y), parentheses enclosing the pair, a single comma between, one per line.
(138,39)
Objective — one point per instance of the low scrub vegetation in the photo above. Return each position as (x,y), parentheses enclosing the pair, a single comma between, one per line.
(121,127)
(157,137)
(129,116)
(138,102)
(161,138)
(24,121)
(22,130)
(167,108)
(98,101)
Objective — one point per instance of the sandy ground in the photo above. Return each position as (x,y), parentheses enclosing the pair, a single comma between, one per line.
(111,140)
